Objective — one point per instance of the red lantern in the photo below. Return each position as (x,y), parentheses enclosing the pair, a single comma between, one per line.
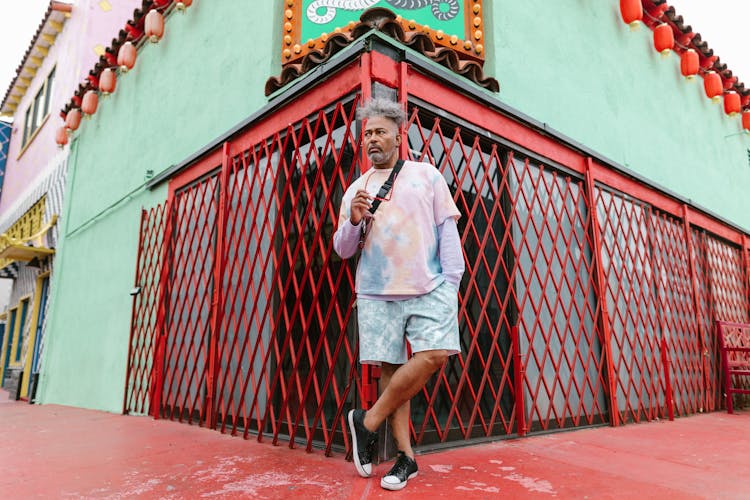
(90,102)
(126,57)
(154,25)
(183,4)
(732,104)
(61,137)
(663,39)
(746,121)
(107,81)
(712,85)
(632,12)
(73,119)
(689,64)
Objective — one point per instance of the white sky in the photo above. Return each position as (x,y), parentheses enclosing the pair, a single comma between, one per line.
(720,22)
(20,19)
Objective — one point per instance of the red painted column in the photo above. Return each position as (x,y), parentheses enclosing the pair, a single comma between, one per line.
(668,393)
(746,264)
(403,99)
(369,388)
(217,307)
(157,377)
(601,285)
(519,376)
(696,305)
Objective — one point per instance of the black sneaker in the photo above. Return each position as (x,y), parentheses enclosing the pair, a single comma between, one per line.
(404,469)
(363,442)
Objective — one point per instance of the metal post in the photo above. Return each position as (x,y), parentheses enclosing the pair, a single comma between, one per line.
(696,306)
(667,365)
(157,378)
(519,374)
(601,286)
(216,299)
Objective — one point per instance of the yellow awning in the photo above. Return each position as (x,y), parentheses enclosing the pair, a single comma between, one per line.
(26,249)
(24,252)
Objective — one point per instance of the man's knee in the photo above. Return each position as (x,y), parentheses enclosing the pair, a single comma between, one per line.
(434,359)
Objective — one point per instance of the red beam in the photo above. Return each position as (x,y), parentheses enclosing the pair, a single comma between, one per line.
(461,105)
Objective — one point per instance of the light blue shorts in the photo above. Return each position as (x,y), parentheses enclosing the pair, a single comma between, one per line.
(428,322)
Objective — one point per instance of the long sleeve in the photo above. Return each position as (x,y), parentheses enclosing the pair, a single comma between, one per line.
(346,239)
(451,255)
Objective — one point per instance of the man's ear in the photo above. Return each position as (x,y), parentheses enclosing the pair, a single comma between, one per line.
(398,138)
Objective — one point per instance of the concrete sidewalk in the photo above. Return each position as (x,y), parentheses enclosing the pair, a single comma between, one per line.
(53,451)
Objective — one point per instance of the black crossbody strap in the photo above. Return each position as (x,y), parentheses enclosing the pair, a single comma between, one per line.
(387,186)
(382,193)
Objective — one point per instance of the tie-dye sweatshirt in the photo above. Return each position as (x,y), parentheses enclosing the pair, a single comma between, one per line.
(400,254)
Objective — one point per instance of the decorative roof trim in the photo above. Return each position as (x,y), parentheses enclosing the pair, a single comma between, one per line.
(658,11)
(134,32)
(383,20)
(421,43)
(44,37)
(470,45)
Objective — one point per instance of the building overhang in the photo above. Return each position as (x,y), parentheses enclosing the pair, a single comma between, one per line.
(45,36)
(25,249)
(24,252)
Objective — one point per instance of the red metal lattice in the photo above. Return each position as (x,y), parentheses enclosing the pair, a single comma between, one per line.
(734,347)
(557,300)
(145,307)
(720,291)
(189,289)
(287,297)
(473,396)
(579,306)
(631,297)
(675,312)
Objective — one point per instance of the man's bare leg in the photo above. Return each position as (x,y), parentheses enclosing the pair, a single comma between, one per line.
(404,383)
(399,419)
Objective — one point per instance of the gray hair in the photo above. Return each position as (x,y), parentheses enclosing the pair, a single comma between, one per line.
(382,107)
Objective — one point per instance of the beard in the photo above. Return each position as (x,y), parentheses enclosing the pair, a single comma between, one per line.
(380,157)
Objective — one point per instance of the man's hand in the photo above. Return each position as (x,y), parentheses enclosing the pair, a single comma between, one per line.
(360,207)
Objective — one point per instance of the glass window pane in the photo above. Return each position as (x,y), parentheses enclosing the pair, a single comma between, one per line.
(39,108)
(27,125)
(48,89)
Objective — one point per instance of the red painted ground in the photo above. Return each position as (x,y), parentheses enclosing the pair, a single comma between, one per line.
(58,452)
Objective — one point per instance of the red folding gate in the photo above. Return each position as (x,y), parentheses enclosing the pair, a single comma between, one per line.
(580,305)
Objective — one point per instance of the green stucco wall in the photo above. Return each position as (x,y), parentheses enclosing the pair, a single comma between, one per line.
(573,65)
(204,77)
(577,67)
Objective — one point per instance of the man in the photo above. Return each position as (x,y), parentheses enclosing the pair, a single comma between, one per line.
(407,281)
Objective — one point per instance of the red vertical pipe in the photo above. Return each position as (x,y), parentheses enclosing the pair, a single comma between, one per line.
(157,377)
(518,378)
(720,326)
(652,286)
(366,86)
(746,263)
(696,305)
(216,299)
(601,285)
(667,365)
(138,270)
(403,100)
(369,385)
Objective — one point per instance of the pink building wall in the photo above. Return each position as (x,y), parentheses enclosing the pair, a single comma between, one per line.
(91,23)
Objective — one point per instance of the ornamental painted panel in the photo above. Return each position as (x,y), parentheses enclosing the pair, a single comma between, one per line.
(457,24)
